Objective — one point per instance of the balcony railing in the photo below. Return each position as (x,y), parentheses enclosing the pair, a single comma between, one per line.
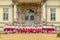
(29,0)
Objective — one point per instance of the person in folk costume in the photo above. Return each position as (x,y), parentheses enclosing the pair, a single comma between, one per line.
(33,28)
(5,28)
(35,25)
(44,28)
(21,28)
(25,28)
(16,28)
(10,28)
(53,28)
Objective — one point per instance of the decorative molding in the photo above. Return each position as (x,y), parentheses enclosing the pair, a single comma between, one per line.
(54,22)
(5,22)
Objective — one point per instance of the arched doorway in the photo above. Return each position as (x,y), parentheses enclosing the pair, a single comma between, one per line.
(29,17)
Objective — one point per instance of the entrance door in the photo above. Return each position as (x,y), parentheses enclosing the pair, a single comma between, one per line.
(29,17)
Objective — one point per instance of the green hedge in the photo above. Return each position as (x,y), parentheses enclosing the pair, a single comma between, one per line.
(58,34)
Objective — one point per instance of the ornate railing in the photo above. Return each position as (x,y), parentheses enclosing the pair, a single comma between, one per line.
(29,0)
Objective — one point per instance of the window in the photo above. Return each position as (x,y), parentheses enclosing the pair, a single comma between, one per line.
(53,12)
(26,17)
(5,13)
(32,17)
(30,11)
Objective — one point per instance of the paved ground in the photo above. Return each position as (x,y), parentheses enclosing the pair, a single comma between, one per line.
(29,36)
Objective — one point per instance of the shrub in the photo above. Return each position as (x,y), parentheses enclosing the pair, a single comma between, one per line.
(58,34)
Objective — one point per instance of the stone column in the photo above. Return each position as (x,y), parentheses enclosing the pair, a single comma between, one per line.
(15,13)
(43,18)
(19,14)
(21,18)
(41,14)
(38,15)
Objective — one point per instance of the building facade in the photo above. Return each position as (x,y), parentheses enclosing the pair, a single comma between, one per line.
(30,12)
(51,12)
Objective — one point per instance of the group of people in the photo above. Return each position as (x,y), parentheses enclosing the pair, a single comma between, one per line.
(29,29)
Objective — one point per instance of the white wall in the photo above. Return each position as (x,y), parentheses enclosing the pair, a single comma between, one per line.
(5,2)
